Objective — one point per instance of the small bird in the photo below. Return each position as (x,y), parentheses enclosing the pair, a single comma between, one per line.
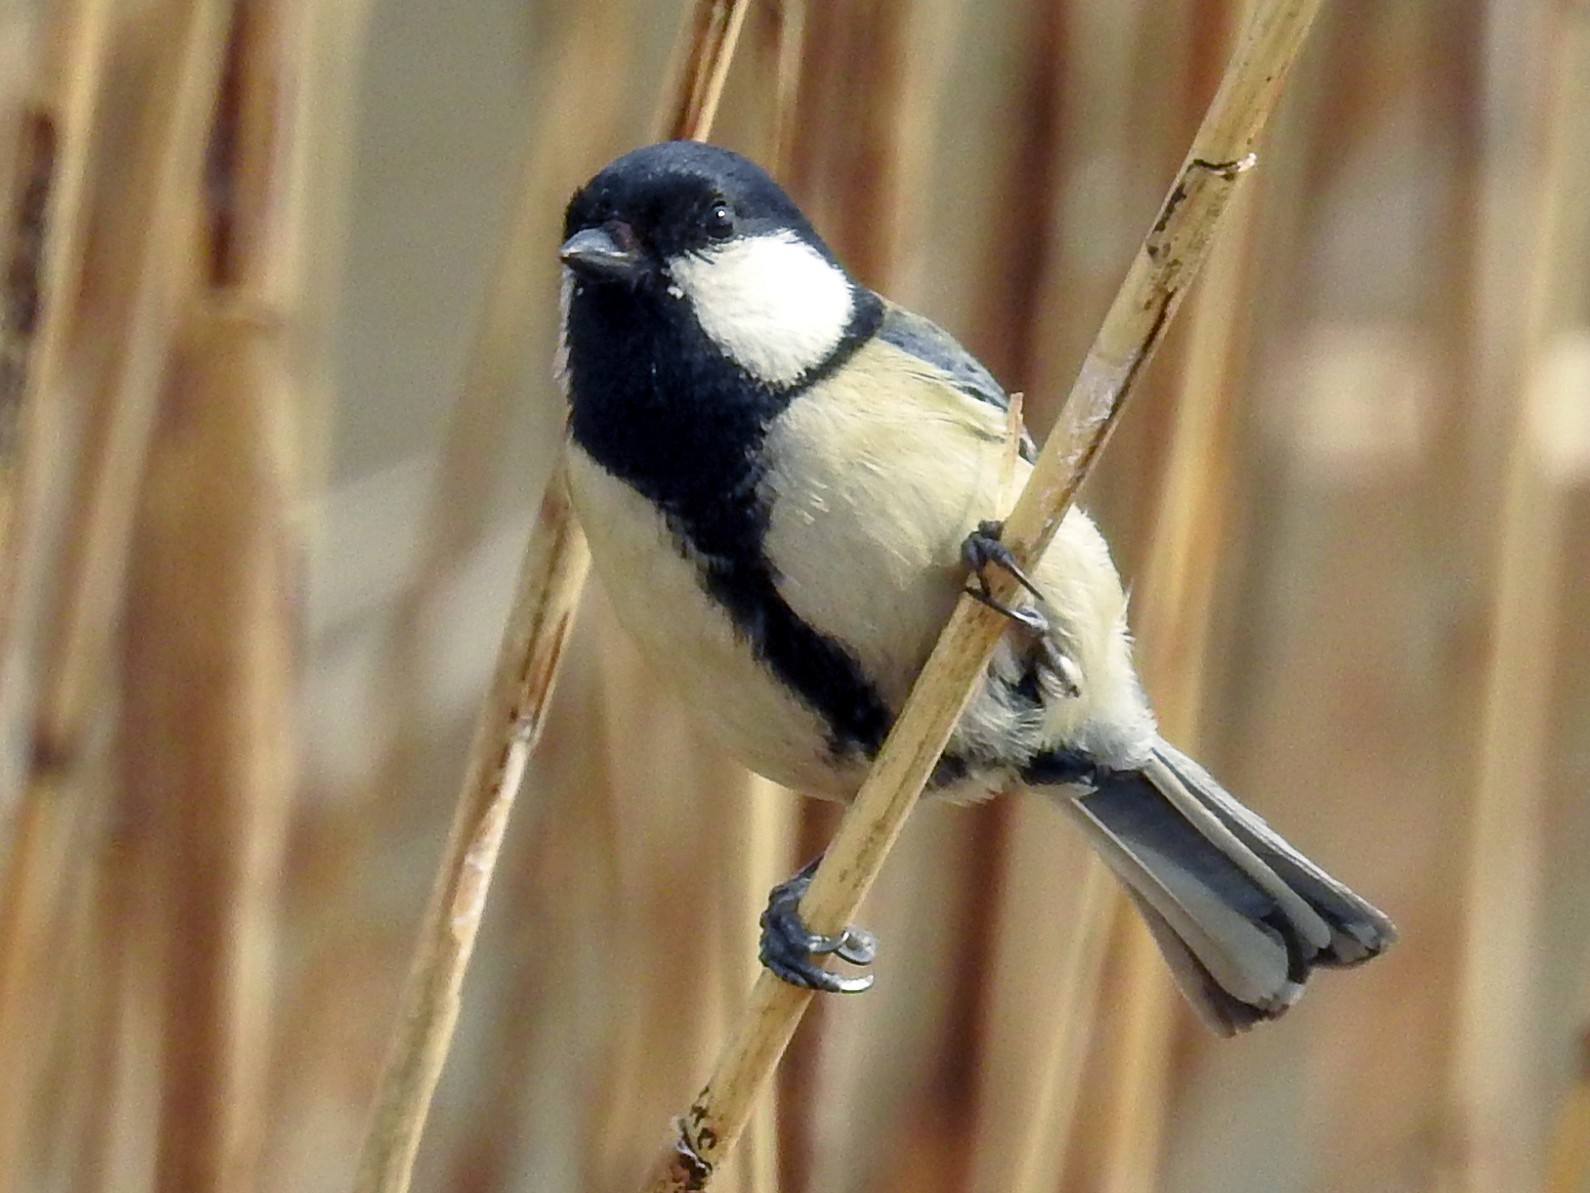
(786,480)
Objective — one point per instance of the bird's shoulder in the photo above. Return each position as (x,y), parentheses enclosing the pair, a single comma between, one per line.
(930,344)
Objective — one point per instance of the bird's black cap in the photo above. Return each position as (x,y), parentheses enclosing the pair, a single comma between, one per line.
(666,193)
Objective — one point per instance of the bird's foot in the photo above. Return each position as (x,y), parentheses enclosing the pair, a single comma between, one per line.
(790,948)
(982,550)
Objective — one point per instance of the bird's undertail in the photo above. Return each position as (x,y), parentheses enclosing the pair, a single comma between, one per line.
(1241,917)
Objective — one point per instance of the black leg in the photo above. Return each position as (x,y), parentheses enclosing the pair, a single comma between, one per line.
(982,550)
(790,949)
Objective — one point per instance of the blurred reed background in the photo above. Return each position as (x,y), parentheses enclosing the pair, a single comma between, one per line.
(279,295)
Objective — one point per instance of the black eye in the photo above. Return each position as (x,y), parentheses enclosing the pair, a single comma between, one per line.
(720,222)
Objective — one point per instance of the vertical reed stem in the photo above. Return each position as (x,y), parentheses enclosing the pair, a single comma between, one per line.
(213,631)
(43,261)
(1497,1015)
(95,546)
(548,588)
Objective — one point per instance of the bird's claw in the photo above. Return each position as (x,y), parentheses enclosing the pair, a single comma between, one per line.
(789,948)
(1026,616)
(983,549)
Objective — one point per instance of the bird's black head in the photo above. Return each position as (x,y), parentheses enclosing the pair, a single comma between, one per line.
(663,201)
(691,242)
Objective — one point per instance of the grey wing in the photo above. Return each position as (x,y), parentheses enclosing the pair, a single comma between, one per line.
(931,344)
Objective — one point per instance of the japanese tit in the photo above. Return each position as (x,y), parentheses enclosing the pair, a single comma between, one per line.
(782,476)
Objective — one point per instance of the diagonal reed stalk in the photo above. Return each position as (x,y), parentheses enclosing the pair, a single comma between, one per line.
(1164,266)
(549,584)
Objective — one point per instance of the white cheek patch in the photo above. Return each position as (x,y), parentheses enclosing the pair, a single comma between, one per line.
(774,305)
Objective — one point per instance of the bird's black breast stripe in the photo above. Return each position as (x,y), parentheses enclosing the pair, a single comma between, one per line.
(685,428)
(1062,765)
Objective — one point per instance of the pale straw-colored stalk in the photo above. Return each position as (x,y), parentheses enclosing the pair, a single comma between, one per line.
(1494,1080)
(1176,611)
(1568,1160)
(94,546)
(43,255)
(213,635)
(545,595)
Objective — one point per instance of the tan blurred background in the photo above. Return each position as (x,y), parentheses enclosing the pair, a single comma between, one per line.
(271,451)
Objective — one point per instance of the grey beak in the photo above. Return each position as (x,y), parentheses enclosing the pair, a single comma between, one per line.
(606,253)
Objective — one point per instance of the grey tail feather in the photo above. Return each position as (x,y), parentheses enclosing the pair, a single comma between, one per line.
(1241,917)
(1359,930)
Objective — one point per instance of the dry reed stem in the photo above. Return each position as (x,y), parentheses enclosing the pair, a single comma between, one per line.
(1175,617)
(1568,1162)
(213,633)
(43,252)
(1051,1118)
(550,579)
(1164,266)
(703,61)
(1497,1010)
(1174,595)
(213,639)
(95,544)
(1568,1158)
(103,514)
(549,583)
(786,104)
(43,260)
